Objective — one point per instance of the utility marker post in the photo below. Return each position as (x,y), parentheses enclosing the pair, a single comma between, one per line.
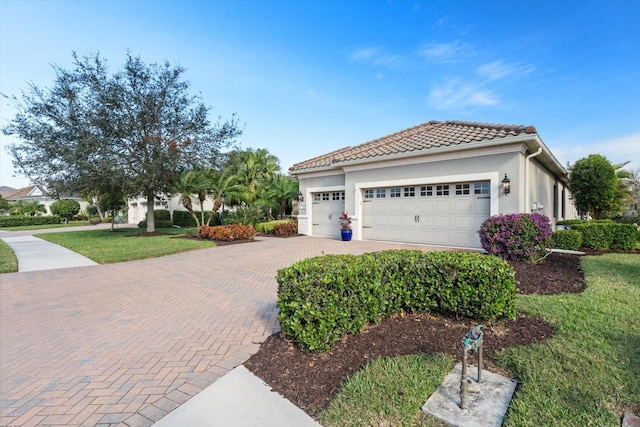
(472,342)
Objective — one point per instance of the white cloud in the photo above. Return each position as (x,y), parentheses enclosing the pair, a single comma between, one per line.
(373,55)
(499,70)
(444,52)
(456,94)
(618,150)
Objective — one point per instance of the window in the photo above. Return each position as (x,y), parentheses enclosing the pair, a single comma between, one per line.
(368,194)
(462,189)
(442,190)
(481,188)
(409,191)
(337,196)
(426,191)
(555,201)
(381,193)
(325,196)
(563,202)
(316,197)
(395,192)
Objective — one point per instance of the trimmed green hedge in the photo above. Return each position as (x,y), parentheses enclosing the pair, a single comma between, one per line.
(606,235)
(158,223)
(162,215)
(566,239)
(184,218)
(323,298)
(18,221)
(267,227)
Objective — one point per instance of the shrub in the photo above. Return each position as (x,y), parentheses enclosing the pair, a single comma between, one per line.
(323,298)
(286,229)
(625,236)
(161,215)
(96,221)
(66,208)
(516,237)
(566,239)
(184,218)
(247,215)
(595,235)
(227,233)
(158,223)
(267,227)
(19,221)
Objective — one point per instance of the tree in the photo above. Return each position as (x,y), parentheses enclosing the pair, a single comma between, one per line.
(133,130)
(187,185)
(253,168)
(27,208)
(112,202)
(66,208)
(4,205)
(593,184)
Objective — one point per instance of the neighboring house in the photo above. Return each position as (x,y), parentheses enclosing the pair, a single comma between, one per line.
(433,184)
(39,194)
(138,206)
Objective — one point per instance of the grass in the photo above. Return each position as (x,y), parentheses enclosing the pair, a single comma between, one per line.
(45,226)
(587,374)
(105,247)
(8,260)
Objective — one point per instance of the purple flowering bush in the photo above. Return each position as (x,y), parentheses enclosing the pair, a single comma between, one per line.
(516,237)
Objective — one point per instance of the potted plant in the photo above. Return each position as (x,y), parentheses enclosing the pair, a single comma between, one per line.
(345,221)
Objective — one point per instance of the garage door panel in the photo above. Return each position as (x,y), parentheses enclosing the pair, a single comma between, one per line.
(430,215)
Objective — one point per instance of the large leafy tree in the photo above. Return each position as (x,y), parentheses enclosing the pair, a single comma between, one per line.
(66,208)
(593,184)
(133,130)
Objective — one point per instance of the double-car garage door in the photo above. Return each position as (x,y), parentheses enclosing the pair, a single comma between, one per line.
(443,214)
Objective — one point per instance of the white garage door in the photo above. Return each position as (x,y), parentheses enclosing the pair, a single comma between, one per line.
(325,215)
(443,214)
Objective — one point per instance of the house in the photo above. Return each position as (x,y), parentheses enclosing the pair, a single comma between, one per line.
(434,183)
(39,194)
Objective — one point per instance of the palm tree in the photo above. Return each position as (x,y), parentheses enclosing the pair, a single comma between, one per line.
(188,184)
(222,182)
(284,190)
(252,168)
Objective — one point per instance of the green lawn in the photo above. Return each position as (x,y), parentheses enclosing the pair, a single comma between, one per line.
(8,261)
(105,247)
(45,226)
(587,374)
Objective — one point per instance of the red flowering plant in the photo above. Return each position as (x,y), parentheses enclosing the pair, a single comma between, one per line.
(345,220)
(516,237)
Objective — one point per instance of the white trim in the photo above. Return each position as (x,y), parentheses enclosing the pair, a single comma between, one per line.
(492,177)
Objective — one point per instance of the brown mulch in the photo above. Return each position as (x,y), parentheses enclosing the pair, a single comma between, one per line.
(310,380)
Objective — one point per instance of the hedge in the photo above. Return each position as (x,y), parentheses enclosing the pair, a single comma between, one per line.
(18,221)
(566,239)
(267,227)
(606,235)
(322,299)
(184,218)
(158,224)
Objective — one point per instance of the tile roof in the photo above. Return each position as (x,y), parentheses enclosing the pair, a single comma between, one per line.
(422,137)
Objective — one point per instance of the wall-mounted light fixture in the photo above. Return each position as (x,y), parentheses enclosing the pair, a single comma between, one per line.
(506,185)
(300,197)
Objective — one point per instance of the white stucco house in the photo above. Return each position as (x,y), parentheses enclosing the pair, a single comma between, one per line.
(434,183)
(39,194)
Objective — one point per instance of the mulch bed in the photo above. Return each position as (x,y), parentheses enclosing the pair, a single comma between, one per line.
(310,380)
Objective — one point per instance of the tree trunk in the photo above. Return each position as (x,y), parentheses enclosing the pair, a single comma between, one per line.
(96,203)
(151,221)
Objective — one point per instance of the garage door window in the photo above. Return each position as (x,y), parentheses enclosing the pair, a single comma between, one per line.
(481,188)
(426,191)
(409,191)
(337,196)
(381,193)
(462,189)
(442,190)
(368,194)
(395,192)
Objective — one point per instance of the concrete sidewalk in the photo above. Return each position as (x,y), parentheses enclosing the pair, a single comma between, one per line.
(35,254)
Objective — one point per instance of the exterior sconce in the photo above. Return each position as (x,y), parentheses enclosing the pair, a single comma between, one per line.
(506,185)
(300,197)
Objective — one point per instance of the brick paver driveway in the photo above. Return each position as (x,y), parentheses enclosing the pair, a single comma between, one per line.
(124,344)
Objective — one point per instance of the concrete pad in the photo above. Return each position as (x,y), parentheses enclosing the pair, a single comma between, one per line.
(630,420)
(35,254)
(238,399)
(487,402)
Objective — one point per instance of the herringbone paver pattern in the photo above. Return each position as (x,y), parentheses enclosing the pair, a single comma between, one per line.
(125,344)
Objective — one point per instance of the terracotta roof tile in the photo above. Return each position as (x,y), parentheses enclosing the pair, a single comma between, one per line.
(425,136)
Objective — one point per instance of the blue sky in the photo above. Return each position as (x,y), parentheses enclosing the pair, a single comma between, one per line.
(308,77)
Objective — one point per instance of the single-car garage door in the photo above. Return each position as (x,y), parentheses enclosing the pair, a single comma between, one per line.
(443,214)
(325,214)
